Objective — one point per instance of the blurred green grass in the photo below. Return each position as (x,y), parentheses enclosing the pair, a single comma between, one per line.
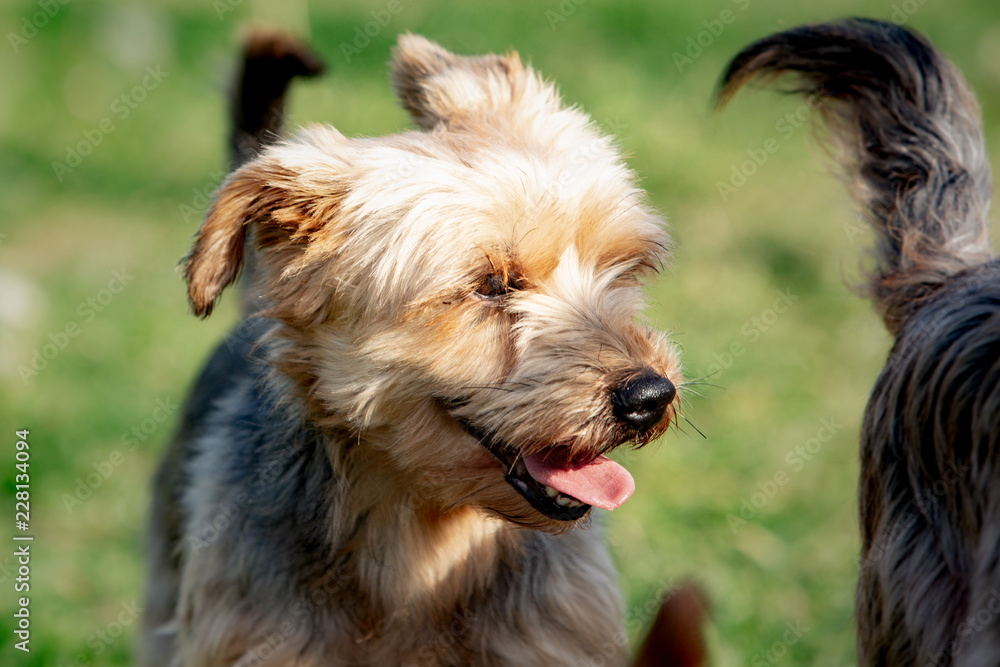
(789,229)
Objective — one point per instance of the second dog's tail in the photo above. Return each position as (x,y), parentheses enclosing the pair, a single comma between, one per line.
(909,132)
(270,61)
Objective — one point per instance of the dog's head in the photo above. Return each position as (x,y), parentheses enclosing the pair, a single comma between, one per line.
(464,299)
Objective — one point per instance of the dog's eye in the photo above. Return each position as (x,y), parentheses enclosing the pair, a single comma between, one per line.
(495,286)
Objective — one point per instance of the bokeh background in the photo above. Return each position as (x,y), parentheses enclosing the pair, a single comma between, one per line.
(760,509)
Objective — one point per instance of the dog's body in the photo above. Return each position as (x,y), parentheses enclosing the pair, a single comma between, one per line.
(388,464)
(271,589)
(930,449)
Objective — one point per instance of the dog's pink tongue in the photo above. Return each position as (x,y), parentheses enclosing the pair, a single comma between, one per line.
(601,482)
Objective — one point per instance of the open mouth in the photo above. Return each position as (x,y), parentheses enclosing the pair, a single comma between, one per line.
(557,486)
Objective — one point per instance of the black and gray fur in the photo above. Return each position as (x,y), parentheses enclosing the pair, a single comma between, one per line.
(909,133)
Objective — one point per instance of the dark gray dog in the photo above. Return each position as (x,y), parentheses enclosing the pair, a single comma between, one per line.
(908,130)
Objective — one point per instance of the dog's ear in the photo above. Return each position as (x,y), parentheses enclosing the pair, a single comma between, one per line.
(436,86)
(288,194)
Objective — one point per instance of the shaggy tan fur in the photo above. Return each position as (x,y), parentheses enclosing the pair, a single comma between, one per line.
(478,276)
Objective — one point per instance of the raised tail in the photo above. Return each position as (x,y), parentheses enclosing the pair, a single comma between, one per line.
(909,133)
(677,636)
(257,113)
(257,107)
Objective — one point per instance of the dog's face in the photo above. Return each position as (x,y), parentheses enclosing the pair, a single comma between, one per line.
(463,299)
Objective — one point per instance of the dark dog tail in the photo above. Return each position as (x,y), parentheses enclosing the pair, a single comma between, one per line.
(257,108)
(677,636)
(257,112)
(909,133)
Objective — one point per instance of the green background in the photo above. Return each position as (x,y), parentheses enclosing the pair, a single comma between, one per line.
(789,228)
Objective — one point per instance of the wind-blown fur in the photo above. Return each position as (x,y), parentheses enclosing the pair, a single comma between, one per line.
(429,304)
(909,132)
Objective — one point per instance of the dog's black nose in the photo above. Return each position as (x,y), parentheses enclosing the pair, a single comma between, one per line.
(641,402)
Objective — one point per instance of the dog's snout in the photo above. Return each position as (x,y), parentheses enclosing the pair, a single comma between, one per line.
(641,402)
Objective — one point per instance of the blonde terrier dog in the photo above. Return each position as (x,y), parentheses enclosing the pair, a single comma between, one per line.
(395,459)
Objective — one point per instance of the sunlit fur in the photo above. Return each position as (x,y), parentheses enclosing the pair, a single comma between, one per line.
(371,528)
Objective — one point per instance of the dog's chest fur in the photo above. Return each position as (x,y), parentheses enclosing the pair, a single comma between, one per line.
(374,574)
